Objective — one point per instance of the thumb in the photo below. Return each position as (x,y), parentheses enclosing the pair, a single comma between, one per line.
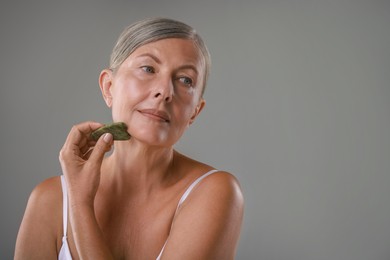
(102,146)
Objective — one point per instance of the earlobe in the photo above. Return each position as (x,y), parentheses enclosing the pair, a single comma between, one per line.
(105,83)
(198,109)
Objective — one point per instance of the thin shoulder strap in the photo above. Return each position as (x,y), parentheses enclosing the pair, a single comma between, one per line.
(183,198)
(192,186)
(64,205)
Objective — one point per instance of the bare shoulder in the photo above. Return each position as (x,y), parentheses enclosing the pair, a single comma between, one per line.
(45,205)
(219,181)
(47,194)
(222,180)
(41,224)
(220,187)
(208,223)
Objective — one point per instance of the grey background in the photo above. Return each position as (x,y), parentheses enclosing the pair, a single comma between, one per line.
(297,108)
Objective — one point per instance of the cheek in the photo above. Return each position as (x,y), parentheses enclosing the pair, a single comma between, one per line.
(124,96)
(125,90)
(184,113)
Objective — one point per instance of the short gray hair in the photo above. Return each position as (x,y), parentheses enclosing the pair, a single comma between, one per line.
(154,29)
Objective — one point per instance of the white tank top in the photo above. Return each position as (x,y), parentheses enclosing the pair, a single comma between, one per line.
(65,252)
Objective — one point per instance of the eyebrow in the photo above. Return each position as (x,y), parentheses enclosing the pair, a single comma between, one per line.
(189,66)
(156,59)
(150,56)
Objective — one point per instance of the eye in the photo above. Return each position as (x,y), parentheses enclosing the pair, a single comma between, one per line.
(186,81)
(148,69)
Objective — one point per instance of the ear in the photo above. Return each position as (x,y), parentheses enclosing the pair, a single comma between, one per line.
(199,108)
(105,83)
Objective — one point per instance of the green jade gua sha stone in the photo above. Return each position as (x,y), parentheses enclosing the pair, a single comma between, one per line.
(118,131)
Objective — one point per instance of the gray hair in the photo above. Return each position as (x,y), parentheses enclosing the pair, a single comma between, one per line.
(154,29)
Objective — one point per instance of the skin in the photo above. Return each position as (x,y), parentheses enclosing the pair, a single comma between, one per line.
(123,206)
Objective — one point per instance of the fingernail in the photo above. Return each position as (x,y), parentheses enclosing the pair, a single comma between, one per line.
(107,137)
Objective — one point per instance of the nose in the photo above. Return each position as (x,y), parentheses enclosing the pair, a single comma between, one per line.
(164,91)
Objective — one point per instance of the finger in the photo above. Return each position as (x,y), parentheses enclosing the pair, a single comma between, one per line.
(81,131)
(102,146)
(86,144)
(79,136)
(87,127)
(87,153)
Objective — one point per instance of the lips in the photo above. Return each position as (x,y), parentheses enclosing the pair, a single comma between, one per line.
(156,114)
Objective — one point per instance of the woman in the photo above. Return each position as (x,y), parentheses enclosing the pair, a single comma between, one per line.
(145,200)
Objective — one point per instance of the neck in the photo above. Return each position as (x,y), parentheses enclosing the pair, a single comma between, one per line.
(138,166)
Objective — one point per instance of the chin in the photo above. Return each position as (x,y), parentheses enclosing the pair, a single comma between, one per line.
(155,135)
(154,139)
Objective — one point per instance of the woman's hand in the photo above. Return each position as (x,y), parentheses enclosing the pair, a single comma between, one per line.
(81,160)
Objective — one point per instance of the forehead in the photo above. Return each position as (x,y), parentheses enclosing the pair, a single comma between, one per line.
(172,49)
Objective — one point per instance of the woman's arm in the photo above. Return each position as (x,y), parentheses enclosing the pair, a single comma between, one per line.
(81,159)
(208,223)
(41,224)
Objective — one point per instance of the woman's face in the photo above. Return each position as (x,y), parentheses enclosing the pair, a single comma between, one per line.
(157,90)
